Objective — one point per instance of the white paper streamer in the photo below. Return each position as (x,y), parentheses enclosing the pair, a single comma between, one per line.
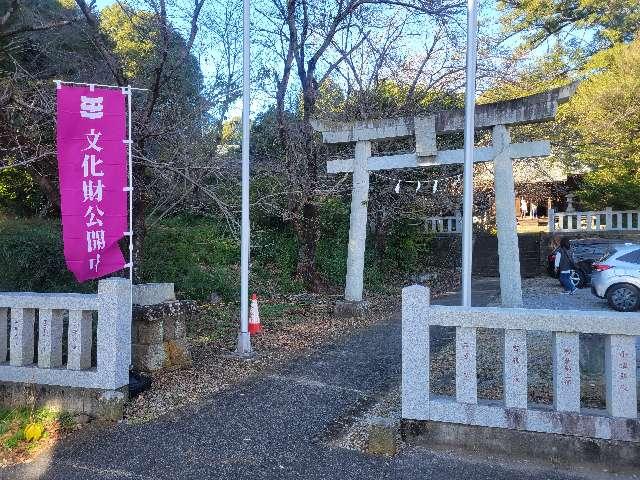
(419,185)
(397,189)
(435,186)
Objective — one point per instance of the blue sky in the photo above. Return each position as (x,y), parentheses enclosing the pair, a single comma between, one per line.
(102,3)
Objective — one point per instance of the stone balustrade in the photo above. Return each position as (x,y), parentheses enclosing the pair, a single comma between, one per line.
(605,220)
(618,421)
(38,351)
(450,224)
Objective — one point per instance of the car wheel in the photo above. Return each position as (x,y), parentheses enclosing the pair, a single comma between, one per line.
(623,297)
(578,279)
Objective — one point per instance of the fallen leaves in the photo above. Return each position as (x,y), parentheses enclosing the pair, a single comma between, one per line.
(33,431)
(292,325)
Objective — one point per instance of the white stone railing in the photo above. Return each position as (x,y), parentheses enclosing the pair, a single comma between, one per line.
(605,220)
(450,224)
(37,324)
(619,420)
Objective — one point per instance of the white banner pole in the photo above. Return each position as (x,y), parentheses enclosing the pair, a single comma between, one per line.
(130,232)
(469,133)
(128,91)
(244,340)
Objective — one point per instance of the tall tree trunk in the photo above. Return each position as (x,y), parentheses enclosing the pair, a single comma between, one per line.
(380,234)
(301,160)
(307,231)
(308,227)
(48,188)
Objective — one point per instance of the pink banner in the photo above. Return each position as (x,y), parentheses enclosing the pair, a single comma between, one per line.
(92,162)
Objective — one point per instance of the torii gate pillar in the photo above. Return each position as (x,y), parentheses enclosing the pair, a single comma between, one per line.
(358,224)
(508,251)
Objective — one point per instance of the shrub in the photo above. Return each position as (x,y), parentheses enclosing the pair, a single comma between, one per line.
(201,256)
(331,253)
(31,258)
(194,254)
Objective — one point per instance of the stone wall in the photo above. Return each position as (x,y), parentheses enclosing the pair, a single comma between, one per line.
(485,255)
(159,335)
(152,293)
(534,248)
(97,403)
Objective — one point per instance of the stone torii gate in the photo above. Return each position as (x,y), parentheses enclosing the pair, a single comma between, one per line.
(497,116)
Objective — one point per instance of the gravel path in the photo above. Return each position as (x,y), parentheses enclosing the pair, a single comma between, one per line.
(546,292)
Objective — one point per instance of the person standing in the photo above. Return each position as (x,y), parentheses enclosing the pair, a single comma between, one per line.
(534,210)
(564,264)
(523,208)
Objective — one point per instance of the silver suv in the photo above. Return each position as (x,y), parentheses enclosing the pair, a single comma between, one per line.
(617,277)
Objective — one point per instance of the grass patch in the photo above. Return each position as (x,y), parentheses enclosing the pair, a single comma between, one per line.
(278,315)
(14,446)
(215,324)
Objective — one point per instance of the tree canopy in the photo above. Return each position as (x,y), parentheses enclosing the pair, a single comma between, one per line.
(605,116)
(601,23)
(336,60)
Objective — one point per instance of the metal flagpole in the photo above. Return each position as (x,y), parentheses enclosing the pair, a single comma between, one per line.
(244,341)
(469,131)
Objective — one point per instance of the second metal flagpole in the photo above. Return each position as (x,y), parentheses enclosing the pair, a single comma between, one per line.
(244,340)
(469,133)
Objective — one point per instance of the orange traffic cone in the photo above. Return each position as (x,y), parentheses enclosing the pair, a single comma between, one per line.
(254,316)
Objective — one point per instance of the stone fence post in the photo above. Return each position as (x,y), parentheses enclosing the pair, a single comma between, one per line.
(415,352)
(114,332)
(552,220)
(609,218)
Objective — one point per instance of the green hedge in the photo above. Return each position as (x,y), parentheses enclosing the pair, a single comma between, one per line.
(31,258)
(201,256)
